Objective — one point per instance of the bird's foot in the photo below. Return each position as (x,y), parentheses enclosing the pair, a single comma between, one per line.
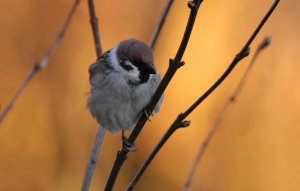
(147,114)
(126,145)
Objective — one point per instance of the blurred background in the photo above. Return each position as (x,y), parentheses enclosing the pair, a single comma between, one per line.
(46,138)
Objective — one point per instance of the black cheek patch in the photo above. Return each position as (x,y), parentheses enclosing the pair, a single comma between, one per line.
(125,66)
(144,77)
(144,74)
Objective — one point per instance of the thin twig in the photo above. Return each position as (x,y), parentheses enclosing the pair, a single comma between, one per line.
(179,121)
(90,167)
(229,102)
(92,161)
(161,23)
(174,65)
(95,28)
(41,63)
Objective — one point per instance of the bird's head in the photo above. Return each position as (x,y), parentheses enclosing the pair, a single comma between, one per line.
(133,59)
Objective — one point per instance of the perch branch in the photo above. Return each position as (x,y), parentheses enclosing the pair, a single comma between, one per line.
(42,63)
(95,152)
(179,122)
(161,23)
(215,126)
(174,64)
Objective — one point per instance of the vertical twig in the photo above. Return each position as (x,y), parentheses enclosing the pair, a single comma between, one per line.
(179,121)
(215,126)
(91,165)
(95,152)
(41,63)
(174,65)
(160,23)
(95,27)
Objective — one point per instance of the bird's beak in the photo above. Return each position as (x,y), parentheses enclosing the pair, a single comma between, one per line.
(149,68)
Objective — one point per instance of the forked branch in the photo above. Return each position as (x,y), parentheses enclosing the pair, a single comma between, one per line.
(173,66)
(179,121)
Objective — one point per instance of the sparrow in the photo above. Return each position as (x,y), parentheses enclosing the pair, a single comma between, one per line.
(122,80)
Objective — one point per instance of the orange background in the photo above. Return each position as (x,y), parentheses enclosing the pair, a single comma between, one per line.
(46,138)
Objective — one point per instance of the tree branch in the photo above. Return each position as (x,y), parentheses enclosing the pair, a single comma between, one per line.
(173,66)
(95,28)
(41,63)
(179,122)
(219,118)
(161,23)
(91,165)
(95,152)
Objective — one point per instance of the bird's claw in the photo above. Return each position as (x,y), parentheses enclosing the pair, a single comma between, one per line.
(126,145)
(147,114)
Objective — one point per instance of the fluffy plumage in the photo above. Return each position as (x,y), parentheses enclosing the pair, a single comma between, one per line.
(123,81)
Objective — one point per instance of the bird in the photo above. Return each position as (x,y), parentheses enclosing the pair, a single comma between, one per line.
(123,81)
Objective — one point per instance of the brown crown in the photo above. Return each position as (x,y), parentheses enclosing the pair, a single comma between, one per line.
(135,50)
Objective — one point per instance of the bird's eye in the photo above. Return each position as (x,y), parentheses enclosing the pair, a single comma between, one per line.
(126,65)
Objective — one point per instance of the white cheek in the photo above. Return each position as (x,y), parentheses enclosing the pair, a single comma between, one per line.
(134,73)
(114,62)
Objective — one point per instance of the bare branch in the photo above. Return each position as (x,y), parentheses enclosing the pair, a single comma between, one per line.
(43,62)
(179,122)
(90,167)
(92,161)
(161,22)
(95,28)
(173,66)
(219,118)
